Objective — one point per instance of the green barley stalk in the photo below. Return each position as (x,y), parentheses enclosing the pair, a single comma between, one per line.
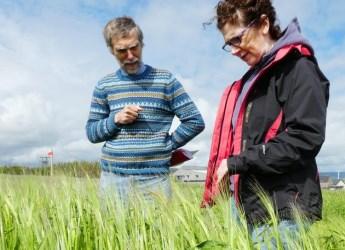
(61,212)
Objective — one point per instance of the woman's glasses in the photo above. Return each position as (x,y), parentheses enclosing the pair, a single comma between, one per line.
(236,40)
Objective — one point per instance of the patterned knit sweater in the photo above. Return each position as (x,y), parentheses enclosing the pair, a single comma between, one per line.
(145,146)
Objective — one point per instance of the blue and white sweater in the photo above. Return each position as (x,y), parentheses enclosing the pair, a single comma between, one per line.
(145,146)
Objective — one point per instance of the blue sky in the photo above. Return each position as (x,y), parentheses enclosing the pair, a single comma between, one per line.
(52,54)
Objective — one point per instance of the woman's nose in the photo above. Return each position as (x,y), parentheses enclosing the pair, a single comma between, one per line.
(235,50)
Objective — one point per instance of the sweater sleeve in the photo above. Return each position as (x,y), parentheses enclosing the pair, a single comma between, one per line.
(191,121)
(100,125)
(304,127)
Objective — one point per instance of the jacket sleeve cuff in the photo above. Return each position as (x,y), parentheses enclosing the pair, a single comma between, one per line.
(236,165)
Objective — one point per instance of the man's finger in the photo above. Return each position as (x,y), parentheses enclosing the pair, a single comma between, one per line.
(135,108)
(132,113)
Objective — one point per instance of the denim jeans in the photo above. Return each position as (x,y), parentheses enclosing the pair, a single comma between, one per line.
(287,230)
(124,187)
(233,210)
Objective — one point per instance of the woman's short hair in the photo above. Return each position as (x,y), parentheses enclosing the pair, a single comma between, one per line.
(235,11)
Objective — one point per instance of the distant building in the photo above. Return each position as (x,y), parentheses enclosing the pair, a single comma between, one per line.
(338,184)
(190,174)
(326,181)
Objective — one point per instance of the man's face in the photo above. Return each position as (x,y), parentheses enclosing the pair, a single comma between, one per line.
(127,51)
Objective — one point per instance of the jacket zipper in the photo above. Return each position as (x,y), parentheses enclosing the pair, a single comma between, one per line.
(246,120)
(244,141)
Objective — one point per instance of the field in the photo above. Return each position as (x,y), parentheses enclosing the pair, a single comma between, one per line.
(59,212)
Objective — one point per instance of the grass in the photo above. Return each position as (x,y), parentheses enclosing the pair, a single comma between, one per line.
(43,212)
(75,169)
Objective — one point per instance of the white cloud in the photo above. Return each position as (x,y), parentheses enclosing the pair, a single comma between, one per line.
(26,123)
(17,112)
(49,65)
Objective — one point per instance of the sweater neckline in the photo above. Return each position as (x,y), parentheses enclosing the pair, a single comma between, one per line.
(146,71)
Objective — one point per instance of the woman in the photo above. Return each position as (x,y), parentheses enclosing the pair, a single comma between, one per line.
(271,123)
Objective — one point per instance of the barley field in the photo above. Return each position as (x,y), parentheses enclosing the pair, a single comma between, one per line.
(60,212)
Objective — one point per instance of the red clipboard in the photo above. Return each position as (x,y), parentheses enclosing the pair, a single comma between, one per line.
(180,156)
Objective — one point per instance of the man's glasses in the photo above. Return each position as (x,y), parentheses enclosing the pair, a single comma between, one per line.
(237,40)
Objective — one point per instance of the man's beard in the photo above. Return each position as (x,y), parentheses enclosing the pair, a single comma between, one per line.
(127,66)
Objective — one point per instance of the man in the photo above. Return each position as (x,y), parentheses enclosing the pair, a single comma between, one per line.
(132,111)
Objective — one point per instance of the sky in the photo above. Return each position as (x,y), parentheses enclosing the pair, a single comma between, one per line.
(52,54)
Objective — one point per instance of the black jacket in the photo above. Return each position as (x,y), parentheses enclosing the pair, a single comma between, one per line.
(284,167)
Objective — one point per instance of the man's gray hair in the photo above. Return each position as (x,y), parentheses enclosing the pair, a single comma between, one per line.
(120,27)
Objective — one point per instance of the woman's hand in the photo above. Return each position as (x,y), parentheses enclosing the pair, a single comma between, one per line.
(222,170)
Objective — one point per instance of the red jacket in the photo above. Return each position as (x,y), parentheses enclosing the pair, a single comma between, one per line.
(225,141)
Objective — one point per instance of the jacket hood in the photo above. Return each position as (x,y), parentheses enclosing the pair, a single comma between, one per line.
(291,35)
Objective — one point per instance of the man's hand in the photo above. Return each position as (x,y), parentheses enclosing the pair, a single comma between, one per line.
(222,171)
(127,115)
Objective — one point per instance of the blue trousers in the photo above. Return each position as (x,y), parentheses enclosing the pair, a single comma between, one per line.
(288,230)
(263,236)
(125,187)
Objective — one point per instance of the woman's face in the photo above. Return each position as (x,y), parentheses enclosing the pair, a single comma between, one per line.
(250,42)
